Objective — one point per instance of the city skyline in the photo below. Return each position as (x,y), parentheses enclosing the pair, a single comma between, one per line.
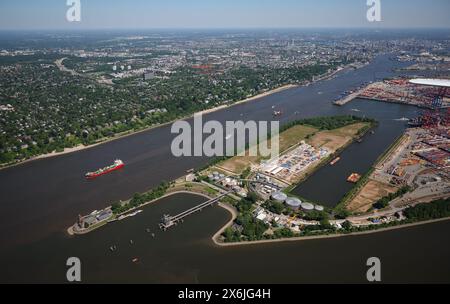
(138,14)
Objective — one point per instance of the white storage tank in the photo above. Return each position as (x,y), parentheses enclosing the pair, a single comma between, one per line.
(279,197)
(307,206)
(293,203)
(319,208)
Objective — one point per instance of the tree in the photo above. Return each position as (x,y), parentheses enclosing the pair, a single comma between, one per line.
(347,226)
(228,234)
(274,206)
(341,214)
(325,224)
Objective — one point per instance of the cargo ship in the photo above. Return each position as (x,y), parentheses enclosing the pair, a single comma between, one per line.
(118,164)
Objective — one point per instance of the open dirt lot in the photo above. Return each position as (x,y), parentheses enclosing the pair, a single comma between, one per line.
(371,193)
(335,139)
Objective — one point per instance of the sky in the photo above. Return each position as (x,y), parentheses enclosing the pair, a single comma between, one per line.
(136,14)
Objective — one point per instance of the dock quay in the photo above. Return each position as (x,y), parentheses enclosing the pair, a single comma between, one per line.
(169,221)
(347,99)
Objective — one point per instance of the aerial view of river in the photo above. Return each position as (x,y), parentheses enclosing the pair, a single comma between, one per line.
(44,197)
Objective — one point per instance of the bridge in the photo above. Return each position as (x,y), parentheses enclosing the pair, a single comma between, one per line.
(170,221)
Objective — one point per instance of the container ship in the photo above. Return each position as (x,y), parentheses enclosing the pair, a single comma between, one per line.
(118,164)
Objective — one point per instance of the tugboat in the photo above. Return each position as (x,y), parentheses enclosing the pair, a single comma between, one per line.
(118,164)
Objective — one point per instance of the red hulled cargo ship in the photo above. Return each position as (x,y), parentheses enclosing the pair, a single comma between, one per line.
(118,164)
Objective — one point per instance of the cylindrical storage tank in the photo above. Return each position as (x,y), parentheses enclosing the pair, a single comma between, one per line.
(293,203)
(279,197)
(211,177)
(307,207)
(319,208)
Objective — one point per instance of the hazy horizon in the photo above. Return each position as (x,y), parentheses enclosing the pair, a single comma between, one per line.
(230,14)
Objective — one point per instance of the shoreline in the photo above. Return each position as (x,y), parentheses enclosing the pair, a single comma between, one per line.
(234,214)
(319,237)
(71,232)
(125,134)
(325,77)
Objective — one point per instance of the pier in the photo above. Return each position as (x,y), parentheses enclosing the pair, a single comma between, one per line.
(170,221)
(347,99)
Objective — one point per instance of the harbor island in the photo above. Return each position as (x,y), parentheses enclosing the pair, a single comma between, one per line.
(401,189)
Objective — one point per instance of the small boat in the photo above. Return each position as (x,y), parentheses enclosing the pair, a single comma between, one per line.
(135,260)
(335,161)
(122,217)
(354,178)
(277,113)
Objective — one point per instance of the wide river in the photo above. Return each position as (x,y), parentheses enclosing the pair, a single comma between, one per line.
(41,199)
